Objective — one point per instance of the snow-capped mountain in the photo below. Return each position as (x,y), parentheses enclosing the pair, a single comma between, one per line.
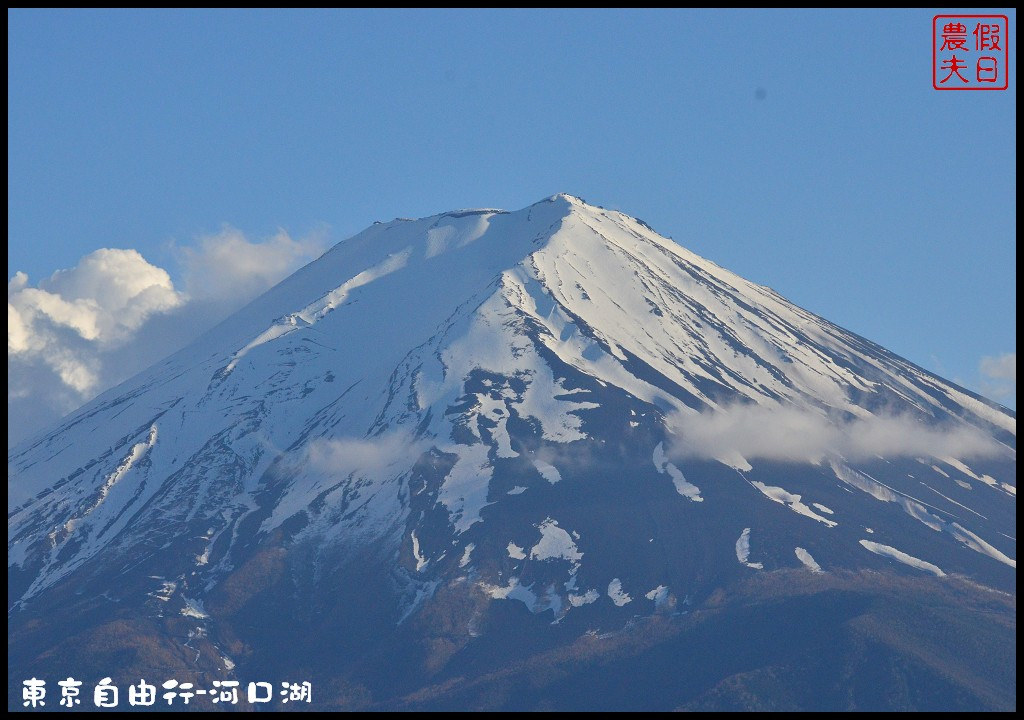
(454,431)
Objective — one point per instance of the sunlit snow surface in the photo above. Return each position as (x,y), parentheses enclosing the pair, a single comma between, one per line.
(548,471)
(617,594)
(436,358)
(900,556)
(555,543)
(793,502)
(743,550)
(194,609)
(659,595)
(682,485)
(807,561)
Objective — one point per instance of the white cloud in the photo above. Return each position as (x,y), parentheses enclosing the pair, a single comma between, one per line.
(794,434)
(110,293)
(371,457)
(18,335)
(999,377)
(75,314)
(227,265)
(87,328)
(1003,367)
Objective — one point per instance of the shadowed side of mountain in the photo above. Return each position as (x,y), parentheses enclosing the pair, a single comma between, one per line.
(785,641)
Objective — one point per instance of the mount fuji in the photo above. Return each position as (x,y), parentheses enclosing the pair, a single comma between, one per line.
(543,459)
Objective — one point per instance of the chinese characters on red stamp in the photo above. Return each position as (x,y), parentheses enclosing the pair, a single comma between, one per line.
(970,52)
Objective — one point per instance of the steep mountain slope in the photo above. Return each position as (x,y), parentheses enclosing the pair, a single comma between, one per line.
(482,435)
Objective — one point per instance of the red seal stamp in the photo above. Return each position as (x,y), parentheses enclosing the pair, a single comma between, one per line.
(970,52)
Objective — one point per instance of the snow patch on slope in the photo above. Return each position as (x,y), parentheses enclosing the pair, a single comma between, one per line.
(790,500)
(683,486)
(900,556)
(659,595)
(617,594)
(743,550)
(421,561)
(134,455)
(917,510)
(585,599)
(194,608)
(554,543)
(464,491)
(987,479)
(548,472)
(808,562)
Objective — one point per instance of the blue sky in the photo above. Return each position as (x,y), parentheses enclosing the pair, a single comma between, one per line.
(804,150)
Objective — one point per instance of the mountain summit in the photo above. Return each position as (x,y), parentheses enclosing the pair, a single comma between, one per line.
(534,459)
